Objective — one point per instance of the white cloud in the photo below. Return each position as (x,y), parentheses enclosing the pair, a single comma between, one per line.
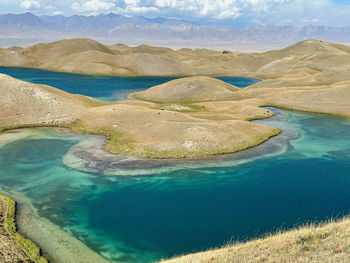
(50,7)
(93,6)
(30,4)
(56,13)
(162,3)
(132,2)
(228,14)
(255,11)
(299,12)
(266,10)
(143,9)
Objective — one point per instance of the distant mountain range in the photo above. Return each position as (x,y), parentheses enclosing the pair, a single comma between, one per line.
(110,28)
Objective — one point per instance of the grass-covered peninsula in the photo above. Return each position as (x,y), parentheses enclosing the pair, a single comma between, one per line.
(191,117)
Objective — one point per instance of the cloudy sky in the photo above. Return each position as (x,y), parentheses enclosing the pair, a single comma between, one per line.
(278,12)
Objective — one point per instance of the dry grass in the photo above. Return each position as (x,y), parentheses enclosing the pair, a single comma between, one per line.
(188,90)
(26,245)
(170,124)
(117,142)
(157,154)
(328,242)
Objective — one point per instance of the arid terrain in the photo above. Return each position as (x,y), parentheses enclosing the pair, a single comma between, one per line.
(87,56)
(188,117)
(26,103)
(195,116)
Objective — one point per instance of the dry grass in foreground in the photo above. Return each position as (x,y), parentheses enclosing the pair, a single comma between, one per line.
(14,248)
(323,243)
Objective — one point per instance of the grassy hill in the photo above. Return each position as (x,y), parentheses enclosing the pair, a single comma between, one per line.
(310,244)
(87,56)
(191,89)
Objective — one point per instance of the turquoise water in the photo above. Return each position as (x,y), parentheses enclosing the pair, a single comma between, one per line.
(148,217)
(169,208)
(103,88)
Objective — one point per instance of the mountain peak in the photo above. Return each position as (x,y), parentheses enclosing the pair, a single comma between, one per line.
(135,30)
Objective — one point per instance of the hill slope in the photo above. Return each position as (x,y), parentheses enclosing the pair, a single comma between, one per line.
(195,116)
(87,56)
(313,244)
(189,89)
(26,103)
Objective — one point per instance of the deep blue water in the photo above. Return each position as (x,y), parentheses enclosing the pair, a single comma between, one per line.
(175,211)
(101,87)
(144,218)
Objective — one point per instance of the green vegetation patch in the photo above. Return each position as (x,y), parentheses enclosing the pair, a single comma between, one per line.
(23,126)
(117,142)
(28,246)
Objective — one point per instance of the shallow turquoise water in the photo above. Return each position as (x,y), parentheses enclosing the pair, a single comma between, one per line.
(145,218)
(172,208)
(103,88)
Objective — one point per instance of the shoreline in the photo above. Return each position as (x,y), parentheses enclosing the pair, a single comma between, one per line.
(57,245)
(176,156)
(25,244)
(320,232)
(136,76)
(73,129)
(209,119)
(312,92)
(43,222)
(326,241)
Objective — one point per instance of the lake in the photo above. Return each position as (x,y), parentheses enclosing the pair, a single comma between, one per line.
(151,212)
(105,88)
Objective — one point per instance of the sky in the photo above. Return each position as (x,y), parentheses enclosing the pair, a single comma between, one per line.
(239,12)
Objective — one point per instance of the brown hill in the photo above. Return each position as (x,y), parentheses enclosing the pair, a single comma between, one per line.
(189,90)
(90,57)
(26,103)
(308,47)
(196,116)
(64,48)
